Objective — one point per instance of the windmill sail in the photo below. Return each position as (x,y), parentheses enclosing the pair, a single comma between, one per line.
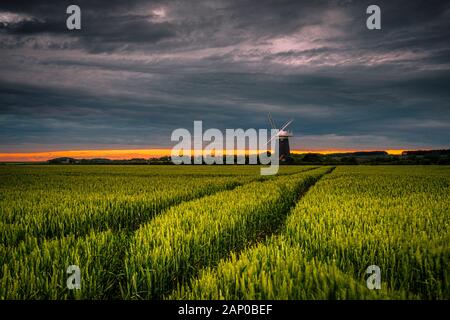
(272,123)
(286,124)
(283,137)
(273,137)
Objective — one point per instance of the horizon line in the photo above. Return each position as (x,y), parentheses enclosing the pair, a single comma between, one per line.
(127,154)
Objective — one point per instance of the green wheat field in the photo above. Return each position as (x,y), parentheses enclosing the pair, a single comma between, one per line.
(224,232)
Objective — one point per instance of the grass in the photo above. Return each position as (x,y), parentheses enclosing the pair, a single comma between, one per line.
(173,246)
(393,217)
(224,232)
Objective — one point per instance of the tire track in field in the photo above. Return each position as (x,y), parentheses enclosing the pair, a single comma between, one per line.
(123,239)
(118,291)
(256,255)
(259,240)
(268,228)
(300,195)
(31,247)
(18,233)
(130,227)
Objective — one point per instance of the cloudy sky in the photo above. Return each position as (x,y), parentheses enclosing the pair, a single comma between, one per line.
(137,70)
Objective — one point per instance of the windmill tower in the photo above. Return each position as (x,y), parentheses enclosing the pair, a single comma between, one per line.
(283,137)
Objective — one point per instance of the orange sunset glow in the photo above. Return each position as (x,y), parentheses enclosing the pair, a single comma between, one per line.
(136,153)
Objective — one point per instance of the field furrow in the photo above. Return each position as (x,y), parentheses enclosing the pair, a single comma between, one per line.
(174,246)
(224,232)
(78,204)
(36,267)
(275,270)
(394,218)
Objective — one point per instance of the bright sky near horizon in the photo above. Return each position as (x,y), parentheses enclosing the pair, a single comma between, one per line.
(125,154)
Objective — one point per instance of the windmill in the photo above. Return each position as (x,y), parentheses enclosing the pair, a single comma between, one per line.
(283,137)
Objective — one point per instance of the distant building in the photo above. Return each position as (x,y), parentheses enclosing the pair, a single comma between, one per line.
(62,160)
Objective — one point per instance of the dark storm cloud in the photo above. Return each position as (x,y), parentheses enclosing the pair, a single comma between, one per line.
(103,30)
(139,69)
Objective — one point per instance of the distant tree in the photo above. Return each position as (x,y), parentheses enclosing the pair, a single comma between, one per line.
(312,157)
